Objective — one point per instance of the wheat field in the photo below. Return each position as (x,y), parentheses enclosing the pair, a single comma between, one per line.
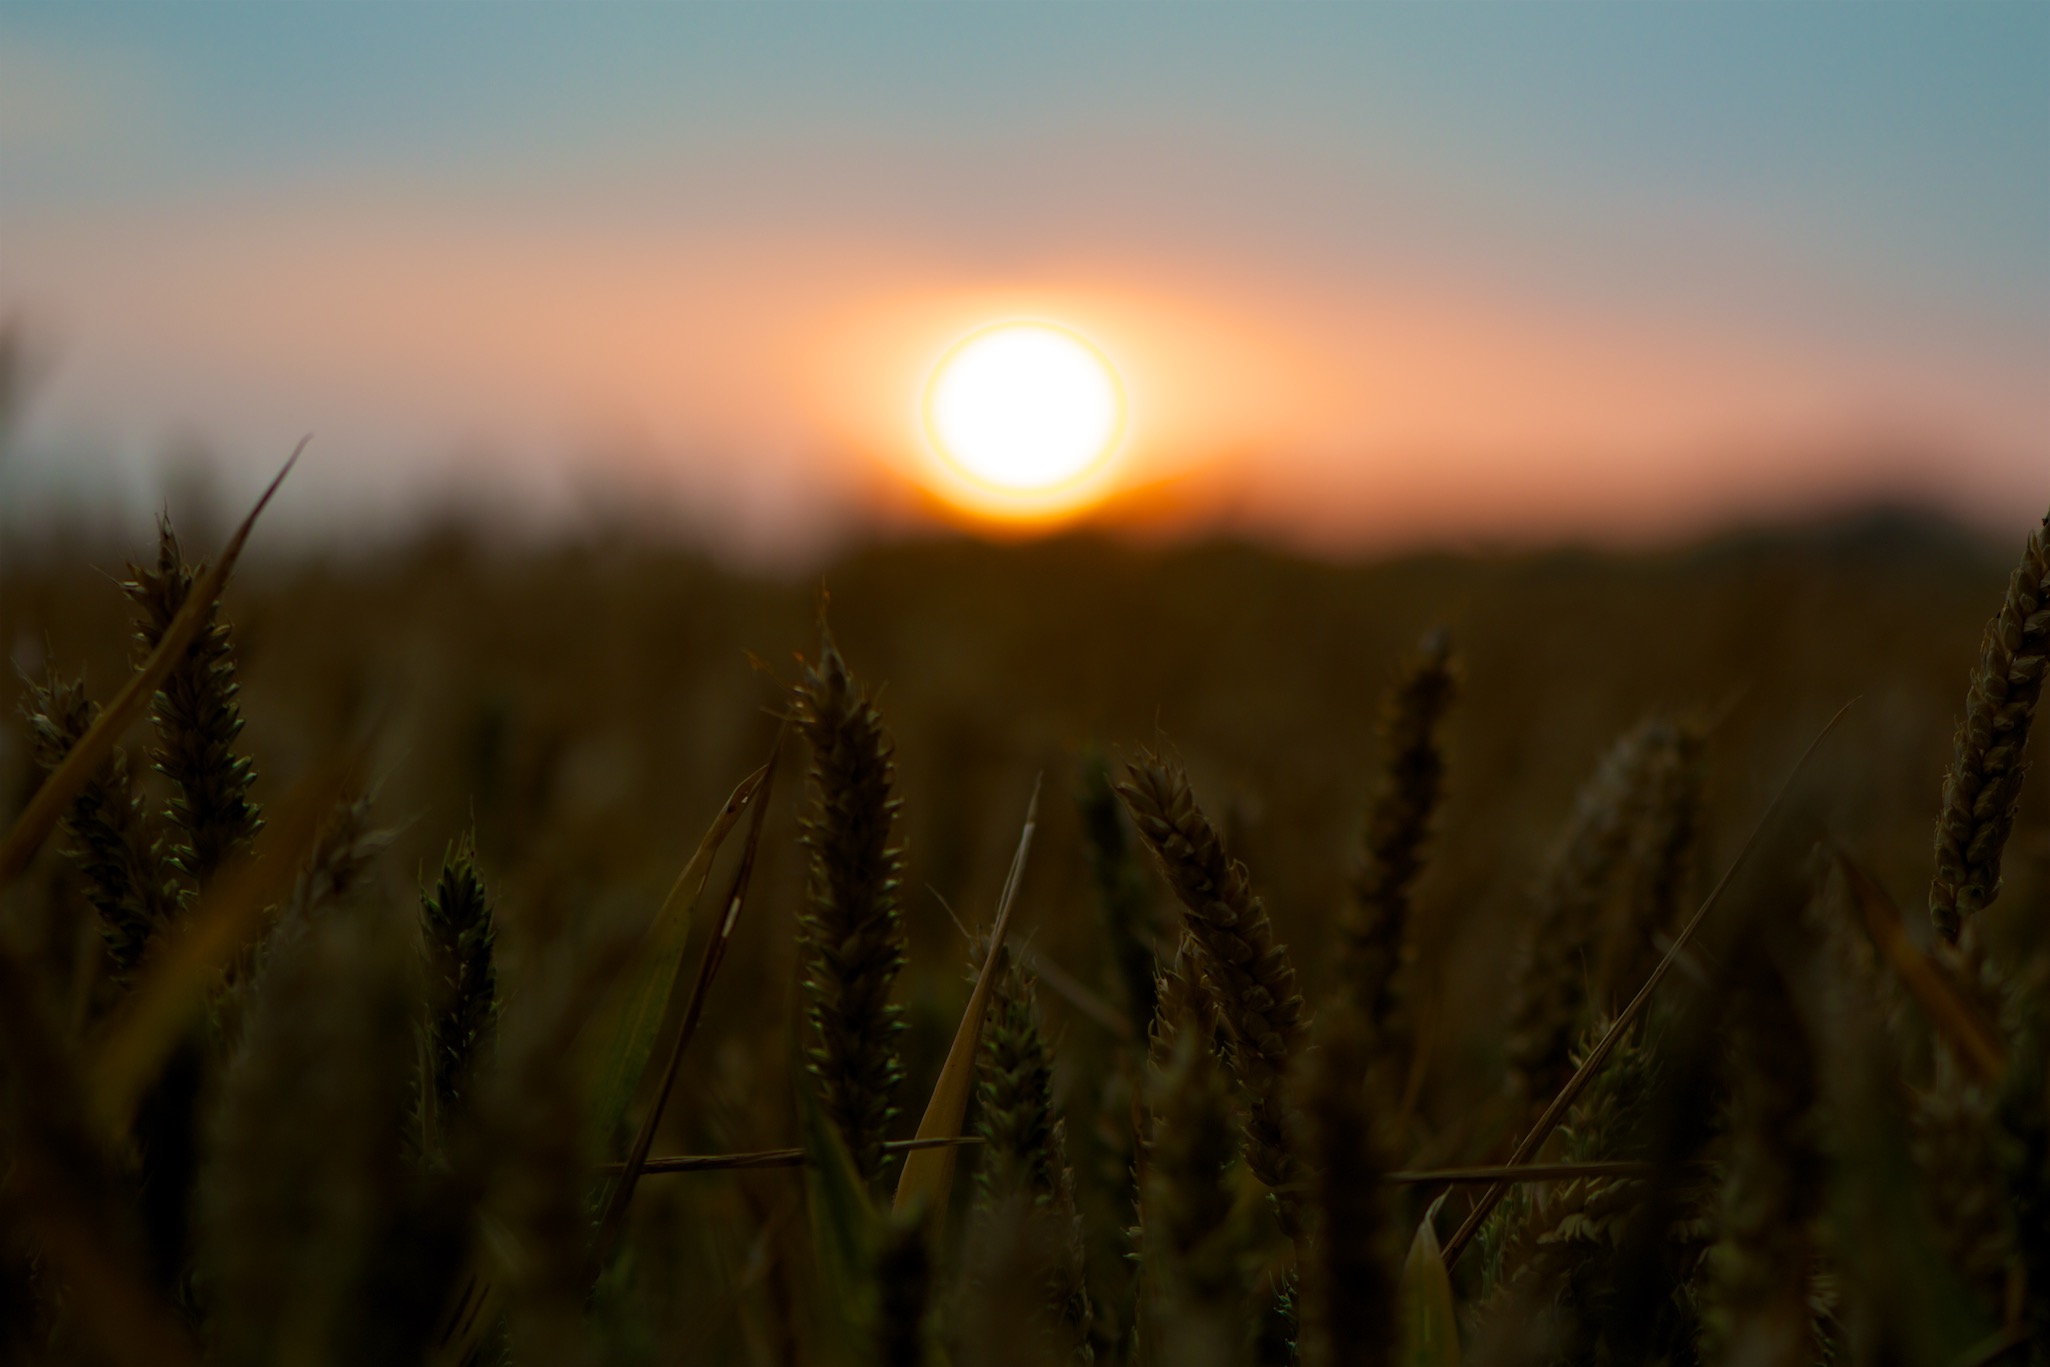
(1041,954)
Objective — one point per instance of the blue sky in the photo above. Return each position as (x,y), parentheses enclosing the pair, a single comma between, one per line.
(1821,172)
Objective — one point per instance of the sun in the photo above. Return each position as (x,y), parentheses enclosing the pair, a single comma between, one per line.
(1028,412)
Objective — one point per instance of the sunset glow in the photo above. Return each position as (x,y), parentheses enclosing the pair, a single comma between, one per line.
(1027,411)
(780,286)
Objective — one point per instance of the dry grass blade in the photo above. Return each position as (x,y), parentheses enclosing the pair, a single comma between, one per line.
(1078,995)
(1407,1177)
(173,985)
(1430,1318)
(769,1158)
(1598,1055)
(614,1218)
(1519,1172)
(636,1013)
(928,1173)
(57,792)
(1975,1039)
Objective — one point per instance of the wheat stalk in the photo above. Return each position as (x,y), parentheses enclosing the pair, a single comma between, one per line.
(902,1275)
(1348,1283)
(1983,786)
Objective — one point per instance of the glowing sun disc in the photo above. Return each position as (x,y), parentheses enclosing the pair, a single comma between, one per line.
(1025,408)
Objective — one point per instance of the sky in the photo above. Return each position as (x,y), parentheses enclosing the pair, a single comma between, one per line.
(1373,276)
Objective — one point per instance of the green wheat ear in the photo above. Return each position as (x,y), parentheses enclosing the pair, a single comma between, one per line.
(107,829)
(1249,973)
(198,719)
(851,931)
(1025,1148)
(459,936)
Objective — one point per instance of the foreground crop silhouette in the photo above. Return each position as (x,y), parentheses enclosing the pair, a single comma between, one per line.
(1663,1064)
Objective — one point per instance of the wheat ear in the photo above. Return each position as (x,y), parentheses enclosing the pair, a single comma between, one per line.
(1984,784)
(198,718)
(462,985)
(1025,1147)
(1761,1297)
(1249,972)
(107,829)
(1659,862)
(1548,1002)
(1375,933)
(340,860)
(852,932)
